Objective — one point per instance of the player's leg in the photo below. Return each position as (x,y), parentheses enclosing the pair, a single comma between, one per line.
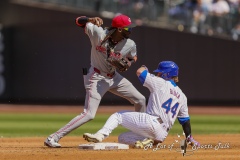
(130,138)
(124,88)
(141,123)
(95,89)
(112,122)
(134,140)
(147,128)
(134,121)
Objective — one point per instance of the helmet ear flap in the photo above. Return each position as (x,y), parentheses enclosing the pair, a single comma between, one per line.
(164,75)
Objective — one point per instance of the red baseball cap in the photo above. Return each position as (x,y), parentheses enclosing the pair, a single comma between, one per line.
(122,21)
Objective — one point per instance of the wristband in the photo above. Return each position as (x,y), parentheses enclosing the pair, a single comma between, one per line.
(81,21)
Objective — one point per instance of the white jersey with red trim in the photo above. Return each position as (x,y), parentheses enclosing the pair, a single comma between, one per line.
(166,99)
(126,47)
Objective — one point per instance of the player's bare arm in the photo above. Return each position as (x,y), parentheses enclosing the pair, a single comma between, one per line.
(134,59)
(131,60)
(187,130)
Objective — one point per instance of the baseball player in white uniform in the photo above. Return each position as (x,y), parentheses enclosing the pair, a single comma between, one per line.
(102,76)
(166,103)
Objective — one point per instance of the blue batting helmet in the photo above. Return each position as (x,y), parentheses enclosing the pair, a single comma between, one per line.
(168,69)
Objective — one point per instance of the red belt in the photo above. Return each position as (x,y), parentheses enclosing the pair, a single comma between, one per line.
(99,72)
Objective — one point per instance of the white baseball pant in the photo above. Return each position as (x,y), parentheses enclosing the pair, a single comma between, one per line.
(142,124)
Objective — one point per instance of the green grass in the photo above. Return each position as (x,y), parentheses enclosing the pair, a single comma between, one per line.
(211,124)
(25,125)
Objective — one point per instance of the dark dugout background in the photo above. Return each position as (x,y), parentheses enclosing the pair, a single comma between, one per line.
(44,52)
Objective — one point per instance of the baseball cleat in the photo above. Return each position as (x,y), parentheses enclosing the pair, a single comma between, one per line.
(142,144)
(98,137)
(50,142)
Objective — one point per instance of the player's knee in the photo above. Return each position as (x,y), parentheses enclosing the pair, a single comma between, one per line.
(117,115)
(140,106)
(90,116)
(141,101)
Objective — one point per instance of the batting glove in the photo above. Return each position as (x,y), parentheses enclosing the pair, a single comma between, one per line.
(142,144)
(192,141)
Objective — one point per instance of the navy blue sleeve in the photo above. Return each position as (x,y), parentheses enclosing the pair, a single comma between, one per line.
(143,76)
(81,21)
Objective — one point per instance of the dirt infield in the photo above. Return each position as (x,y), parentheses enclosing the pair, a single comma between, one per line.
(33,149)
(222,146)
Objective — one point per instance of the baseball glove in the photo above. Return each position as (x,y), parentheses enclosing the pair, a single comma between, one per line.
(122,64)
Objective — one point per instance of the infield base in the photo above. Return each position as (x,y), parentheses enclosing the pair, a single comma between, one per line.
(103,146)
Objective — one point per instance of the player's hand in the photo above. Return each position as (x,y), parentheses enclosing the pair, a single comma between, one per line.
(96,20)
(129,61)
(145,67)
(192,141)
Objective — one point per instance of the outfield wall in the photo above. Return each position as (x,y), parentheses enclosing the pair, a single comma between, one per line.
(44,52)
